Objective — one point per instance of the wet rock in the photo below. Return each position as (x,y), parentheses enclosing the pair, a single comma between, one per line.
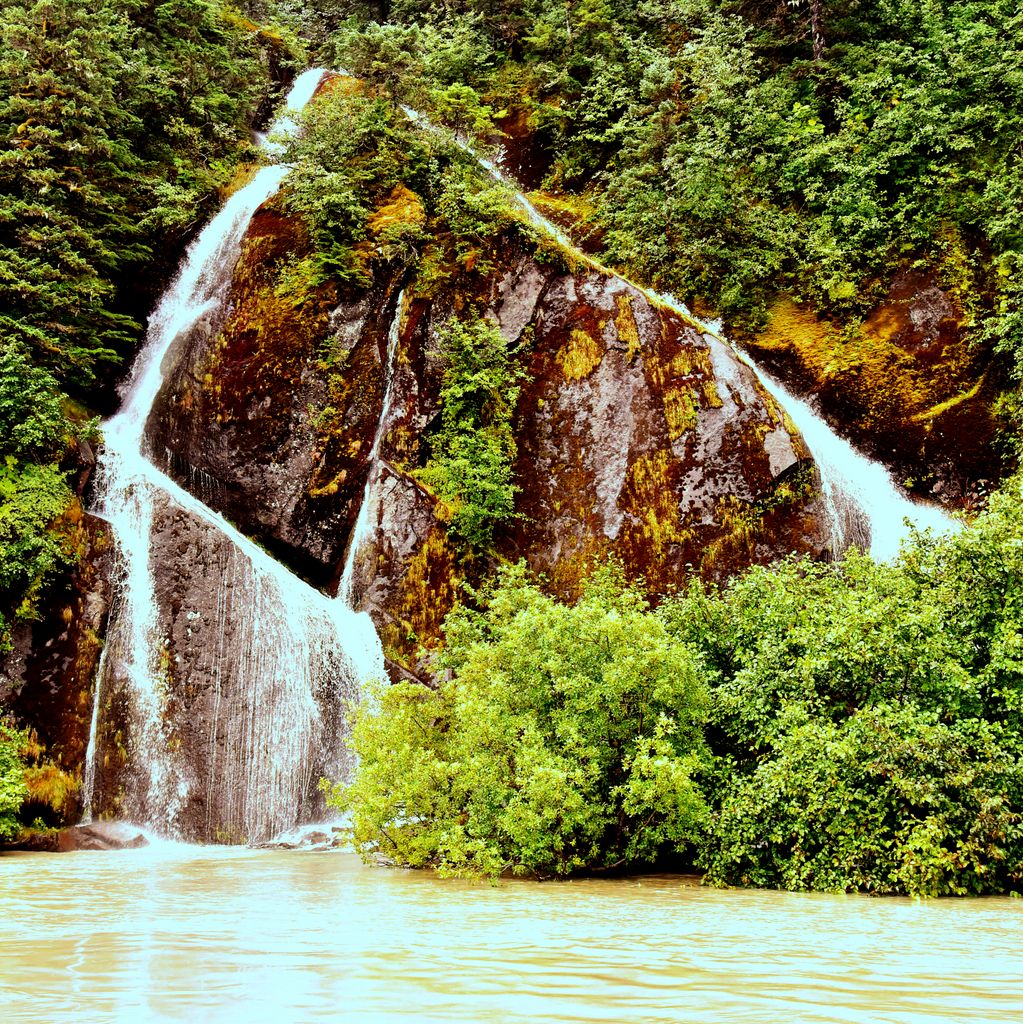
(250,688)
(305,839)
(278,402)
(35,841)
(101,835)
(907,386)
(47,680)
(638,436)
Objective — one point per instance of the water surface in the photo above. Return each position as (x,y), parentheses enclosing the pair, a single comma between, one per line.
(222,935)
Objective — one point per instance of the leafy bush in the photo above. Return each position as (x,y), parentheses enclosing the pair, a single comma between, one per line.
(12,780)
(890,799)
(865,724)
(32,420)
(868,717)
(473,452)
(565,739)
(32,498)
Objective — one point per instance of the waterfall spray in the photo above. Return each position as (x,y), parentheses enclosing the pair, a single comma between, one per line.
(363,529)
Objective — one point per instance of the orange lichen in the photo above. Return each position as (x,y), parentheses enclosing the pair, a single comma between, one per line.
(680,410)
(650,497)
(399,208)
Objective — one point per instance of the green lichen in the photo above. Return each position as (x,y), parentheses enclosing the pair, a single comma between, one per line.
(580,355)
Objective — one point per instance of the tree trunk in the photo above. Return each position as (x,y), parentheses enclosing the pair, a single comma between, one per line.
(817,28)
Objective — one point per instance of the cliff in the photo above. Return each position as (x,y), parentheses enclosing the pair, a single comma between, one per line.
(638,436)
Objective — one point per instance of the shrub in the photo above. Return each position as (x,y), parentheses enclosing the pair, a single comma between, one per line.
(473,452)
(12,779)
(566,739)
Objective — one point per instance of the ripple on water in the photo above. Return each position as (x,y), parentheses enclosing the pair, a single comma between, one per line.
(214,934)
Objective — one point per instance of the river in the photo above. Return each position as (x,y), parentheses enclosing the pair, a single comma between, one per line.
(180,933)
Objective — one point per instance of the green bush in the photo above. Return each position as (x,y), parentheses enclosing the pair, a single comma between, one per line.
(32,497)
(12,780)
(890,799)
(32,420)
(565,739)
(473,452)
(867,718)
(845,727)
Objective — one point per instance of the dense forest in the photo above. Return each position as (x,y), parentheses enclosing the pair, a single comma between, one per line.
(810,725)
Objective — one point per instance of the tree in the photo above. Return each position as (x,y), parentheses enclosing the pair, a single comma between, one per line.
(473,452)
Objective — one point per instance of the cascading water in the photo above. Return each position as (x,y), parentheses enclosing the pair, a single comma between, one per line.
(272,659)
(864,505)
(278,659)
(856,489)
(363,529)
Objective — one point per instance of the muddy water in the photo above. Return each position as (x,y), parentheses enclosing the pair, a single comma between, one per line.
(192,934)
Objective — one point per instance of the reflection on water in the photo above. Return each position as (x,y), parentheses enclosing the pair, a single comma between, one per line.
(192,934)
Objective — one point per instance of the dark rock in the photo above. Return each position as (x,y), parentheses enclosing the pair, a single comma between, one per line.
(36,841)
(304,839)
(101,835)
(908,385)
(638,435)
(280,401)
(47,679)
(250,703)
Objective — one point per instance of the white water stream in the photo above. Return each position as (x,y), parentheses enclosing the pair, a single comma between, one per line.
(864,504)
(278,643)
(364,524)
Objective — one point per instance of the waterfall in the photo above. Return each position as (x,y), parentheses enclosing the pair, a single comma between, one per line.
(364,528)
(863,503)
(89,779)
(857,492)
(274,660)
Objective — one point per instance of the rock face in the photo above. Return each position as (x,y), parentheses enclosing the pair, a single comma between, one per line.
(251,681)
(906,386)
(48,678)
(638,436)
(247,421)
(303,413)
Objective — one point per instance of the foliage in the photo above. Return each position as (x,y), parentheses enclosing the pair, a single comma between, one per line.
(118,120)
(12,780)
(32,420)
(867,716)
(890,799)
(473,451)
(732,149)
(353,151)
(864,721)
(357,153)
(565,739)
(32,498)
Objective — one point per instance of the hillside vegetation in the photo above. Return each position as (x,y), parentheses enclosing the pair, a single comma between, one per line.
(846,726)
(119,122)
